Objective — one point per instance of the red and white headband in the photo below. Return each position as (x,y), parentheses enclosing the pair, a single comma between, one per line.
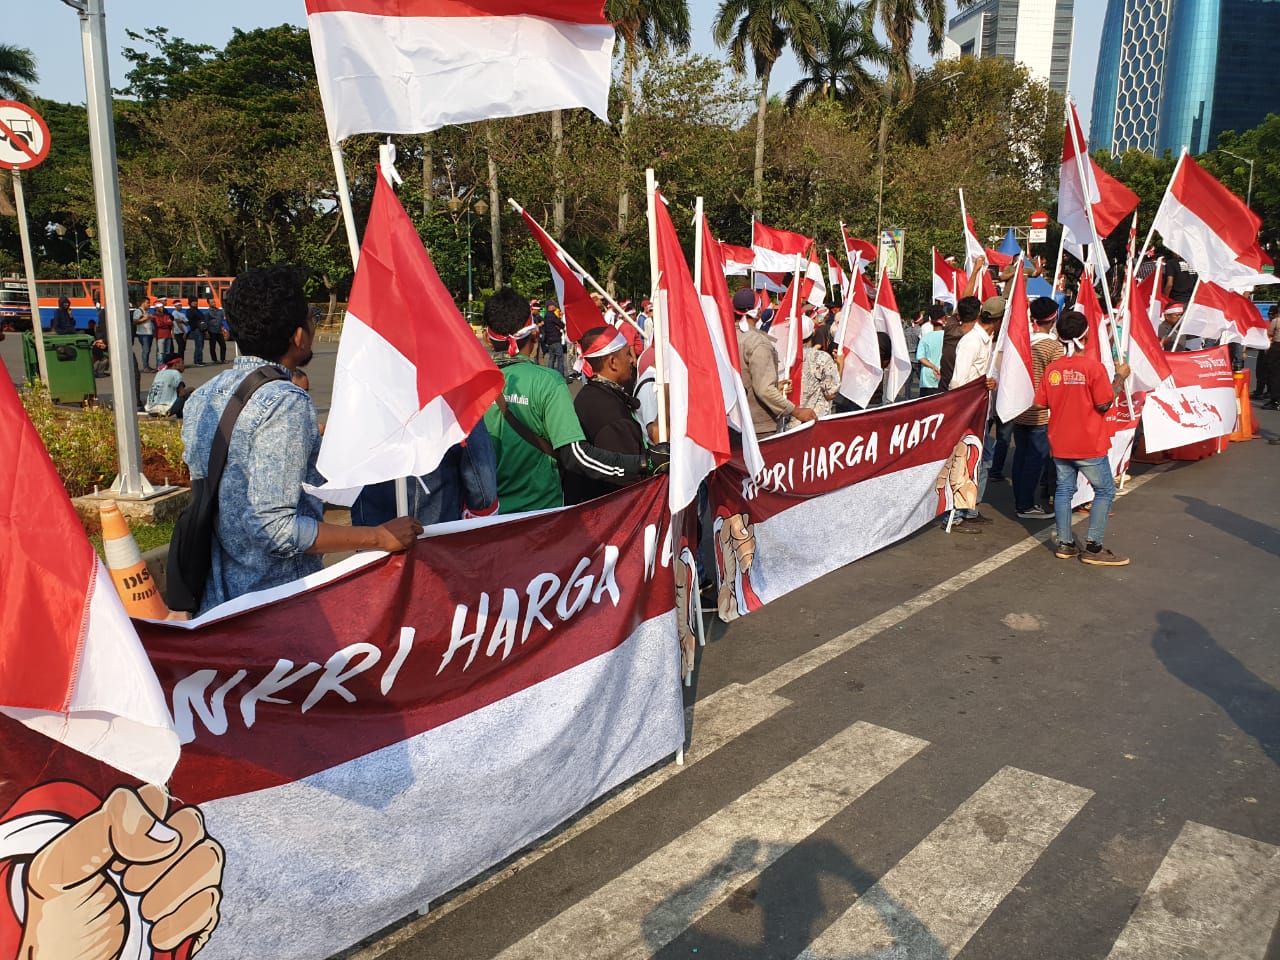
(513,341)
(610,341)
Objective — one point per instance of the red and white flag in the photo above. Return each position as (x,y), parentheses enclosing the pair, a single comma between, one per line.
(835,272)
(74,669)
(787,332)
(1150,289)
(581,314)
(944,280)
(860,253)
(770,282)
(1015,385)
(776,250)
(1218,314)
(973,247)
(412,66)
(411,379)
(1211,228)
(1198,404)
(699,416)
(1098,344)
(1148,363)
(737,260)
(887,319)
(816,294)
(1110,200)
(717,305)
(862,372)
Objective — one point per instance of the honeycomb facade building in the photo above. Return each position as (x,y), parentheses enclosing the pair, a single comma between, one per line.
(1175,73)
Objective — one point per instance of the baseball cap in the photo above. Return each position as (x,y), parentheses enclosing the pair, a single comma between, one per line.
(744,300)
(993,307)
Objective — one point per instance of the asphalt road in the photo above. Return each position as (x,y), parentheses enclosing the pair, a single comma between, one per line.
(986,752)
(960,746)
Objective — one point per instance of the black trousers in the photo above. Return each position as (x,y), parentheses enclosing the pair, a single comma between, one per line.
(1273,372)
(1260,373)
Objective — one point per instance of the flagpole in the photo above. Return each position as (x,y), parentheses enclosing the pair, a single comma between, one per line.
(1146,244)
(794,319)
(659,306)
(964,229)
(697,245)
(1127,290)
(1177,334)
(344,201)
(848,254)
(578,268)
(1057,268)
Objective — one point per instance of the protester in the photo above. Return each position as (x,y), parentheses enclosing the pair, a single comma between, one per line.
(962,322)
(217,336)
(820,379)
(759,362)
(1077,393)
(98,350)
(911,334)
(181,329)
(164,333)
(1273,359)
(929,349)
(1030,429)
(553,339)
(63,322)
(972,361)
(168,394)
(465,484)
(535,431)
(606,409)
(144,328)
(647,395)
(268,530)
(198,322)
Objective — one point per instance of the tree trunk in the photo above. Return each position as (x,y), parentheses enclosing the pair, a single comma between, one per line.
(761,109)
(428,174)
(882,145)
(495,210)
(628,91)
(557,172)
(7,209)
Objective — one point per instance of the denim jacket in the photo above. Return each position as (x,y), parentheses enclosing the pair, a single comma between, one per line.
(266,523)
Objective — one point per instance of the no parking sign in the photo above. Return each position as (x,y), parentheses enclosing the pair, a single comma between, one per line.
(24,137)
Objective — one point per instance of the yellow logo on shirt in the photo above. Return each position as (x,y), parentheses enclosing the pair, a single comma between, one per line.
(1055,378)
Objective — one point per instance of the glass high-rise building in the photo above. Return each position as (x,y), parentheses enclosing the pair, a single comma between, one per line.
(1175,73)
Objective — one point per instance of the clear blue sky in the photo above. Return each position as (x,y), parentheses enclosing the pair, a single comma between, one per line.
(51,30)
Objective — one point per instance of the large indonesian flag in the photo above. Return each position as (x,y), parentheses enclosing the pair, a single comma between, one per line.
(776,250)
(1015,386)
(1098,344)
(411,66)
(1202,405)
(1218,314)
(717,306)
(862,372)
(888,320)
(863,479)
(1147,360)
(1083,185)
(581,315)
(364,741)
(699,416)
(944,280)
(737,260)
(1211,228)
(71,665)
(412,380)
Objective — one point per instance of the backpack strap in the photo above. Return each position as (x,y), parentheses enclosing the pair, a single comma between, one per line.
(527,435)
(222,439)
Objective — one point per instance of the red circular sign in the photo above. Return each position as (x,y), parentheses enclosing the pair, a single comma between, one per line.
(1039,220)
(24,137)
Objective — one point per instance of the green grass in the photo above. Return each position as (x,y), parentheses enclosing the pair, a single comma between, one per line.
(148,536)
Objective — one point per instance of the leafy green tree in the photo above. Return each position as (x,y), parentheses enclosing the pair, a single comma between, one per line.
(17,69)
(164,68)
(764,28)
(899,17)
(837,66)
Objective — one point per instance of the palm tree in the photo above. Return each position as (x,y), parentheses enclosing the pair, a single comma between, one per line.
(17,69)
(765,27)
(836,69)
(898,17)
(644,26)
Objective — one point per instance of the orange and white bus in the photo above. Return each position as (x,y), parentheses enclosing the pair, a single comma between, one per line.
(206,291)
(85,296)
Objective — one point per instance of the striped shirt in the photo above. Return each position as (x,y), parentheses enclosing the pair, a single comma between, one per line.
(1044,350)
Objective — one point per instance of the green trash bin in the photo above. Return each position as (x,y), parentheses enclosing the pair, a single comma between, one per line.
(69,358)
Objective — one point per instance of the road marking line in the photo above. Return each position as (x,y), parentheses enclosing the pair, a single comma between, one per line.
(1215,896)
(648,906)
(723,717)
(937,896)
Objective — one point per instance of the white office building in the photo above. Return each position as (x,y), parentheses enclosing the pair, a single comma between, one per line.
(1034,33)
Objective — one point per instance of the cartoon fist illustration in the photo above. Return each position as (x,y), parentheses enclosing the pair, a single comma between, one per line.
(123,882)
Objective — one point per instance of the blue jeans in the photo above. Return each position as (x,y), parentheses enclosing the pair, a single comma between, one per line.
(1031,449)
(144,347)
(1098,472)
(198,337)
(988,453)
(1003,432)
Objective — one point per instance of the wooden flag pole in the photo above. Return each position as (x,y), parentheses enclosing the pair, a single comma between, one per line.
(659,306)
(697,245)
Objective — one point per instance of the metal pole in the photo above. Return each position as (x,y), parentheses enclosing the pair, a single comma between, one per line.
(469,286)
(130,483)
(28,262)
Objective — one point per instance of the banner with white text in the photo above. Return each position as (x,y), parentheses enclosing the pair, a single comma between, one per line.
(1204,406)
(839,489)
(362,746)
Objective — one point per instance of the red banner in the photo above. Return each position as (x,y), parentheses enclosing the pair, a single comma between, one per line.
(1202,405)
(839,489)
(394,731)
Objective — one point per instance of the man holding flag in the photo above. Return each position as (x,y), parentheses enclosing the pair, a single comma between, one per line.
(760,371)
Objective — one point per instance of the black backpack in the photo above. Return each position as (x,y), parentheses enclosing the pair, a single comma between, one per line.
(191,549)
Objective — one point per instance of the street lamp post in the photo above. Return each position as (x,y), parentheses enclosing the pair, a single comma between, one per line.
(455,203)
(1248,198)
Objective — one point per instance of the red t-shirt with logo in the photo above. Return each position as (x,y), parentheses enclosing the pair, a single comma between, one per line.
(1073,388)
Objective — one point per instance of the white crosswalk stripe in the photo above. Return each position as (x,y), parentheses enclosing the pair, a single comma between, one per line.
(1215,896)
(652,903)
(939,894)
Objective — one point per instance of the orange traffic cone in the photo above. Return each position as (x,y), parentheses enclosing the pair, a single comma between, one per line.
(129,573)
(1244,421)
